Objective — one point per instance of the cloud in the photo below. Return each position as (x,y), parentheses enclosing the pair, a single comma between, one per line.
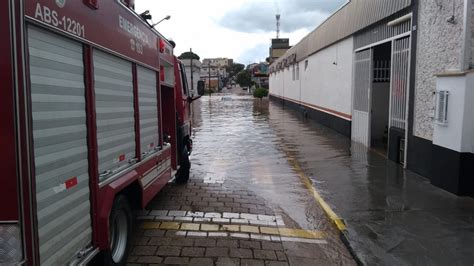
(259,16)
(258,53)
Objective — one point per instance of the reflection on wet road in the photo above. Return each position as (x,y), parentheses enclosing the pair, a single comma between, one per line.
(235,141)
(393,216)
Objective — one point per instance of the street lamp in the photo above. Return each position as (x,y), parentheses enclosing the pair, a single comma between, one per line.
(165,18)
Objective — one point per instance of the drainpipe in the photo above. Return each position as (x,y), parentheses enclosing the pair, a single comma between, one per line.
(466,52)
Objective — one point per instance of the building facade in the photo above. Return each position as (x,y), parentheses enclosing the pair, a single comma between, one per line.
(221,62)
(393,76)
(278,48)
(259,74)
(215,70)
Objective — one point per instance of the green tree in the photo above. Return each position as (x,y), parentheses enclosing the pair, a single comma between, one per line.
(189,55)
(234,69)
(244,78)
(260,93)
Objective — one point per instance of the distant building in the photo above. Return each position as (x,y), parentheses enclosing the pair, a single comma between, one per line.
(216,68)
(278,48)
(220,62)
(251,66)
(260,73)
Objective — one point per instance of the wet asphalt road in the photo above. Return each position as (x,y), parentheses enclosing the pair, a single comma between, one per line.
(393,216)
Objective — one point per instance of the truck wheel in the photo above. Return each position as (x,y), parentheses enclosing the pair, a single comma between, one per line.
(182,176)
(120,232)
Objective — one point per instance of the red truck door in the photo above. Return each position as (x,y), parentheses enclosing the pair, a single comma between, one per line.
(182,95)
(12,246)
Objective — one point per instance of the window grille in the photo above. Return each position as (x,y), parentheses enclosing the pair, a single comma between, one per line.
(382,71)
(442,98)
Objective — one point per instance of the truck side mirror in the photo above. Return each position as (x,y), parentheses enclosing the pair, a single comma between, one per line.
(200,87)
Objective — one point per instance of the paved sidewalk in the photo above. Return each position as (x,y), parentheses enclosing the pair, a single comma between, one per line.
(212,222)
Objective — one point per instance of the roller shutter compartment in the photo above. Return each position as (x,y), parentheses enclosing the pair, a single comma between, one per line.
(60,146)
(113,81)
(148,108)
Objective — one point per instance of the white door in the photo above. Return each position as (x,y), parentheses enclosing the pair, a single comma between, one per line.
(60,146)
(361,98)
(400,89)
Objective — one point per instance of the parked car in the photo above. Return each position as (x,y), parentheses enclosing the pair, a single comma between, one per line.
(245,88)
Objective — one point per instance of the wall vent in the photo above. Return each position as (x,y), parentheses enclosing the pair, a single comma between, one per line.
(442,98)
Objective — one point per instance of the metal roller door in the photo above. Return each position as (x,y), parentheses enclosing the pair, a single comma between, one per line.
(60,146)
(361,101)
(147,102)
(115,113)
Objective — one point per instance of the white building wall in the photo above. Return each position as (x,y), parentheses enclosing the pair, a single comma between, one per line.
(292,86)
(326,82)
(328,78)
(458,133)
(276,83)
(439,49)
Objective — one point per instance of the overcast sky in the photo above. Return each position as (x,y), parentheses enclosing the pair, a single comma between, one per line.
(238,29)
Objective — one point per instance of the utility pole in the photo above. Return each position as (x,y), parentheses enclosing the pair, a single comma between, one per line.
(209,68)
(218,79)
(192,70)
(278,25)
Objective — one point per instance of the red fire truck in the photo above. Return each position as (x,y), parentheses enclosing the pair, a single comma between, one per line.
(94,122)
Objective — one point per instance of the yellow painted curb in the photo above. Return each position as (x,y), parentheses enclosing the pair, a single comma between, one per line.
(230,227)
(249,229)
(169,225)
(338,222)
(300,233)
(209,227)
(151,225)
(269,230)
(190,227)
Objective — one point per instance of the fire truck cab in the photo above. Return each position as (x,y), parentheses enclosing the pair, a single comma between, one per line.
(94,122)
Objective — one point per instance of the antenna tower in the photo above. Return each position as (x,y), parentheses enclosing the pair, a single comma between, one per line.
(278,26)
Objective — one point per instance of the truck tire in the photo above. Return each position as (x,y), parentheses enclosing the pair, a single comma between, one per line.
(182,176)
(120,232)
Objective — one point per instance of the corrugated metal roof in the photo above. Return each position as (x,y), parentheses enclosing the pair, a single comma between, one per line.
(350,18)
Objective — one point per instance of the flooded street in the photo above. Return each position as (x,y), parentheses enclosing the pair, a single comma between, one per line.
(393,216)
(235,142)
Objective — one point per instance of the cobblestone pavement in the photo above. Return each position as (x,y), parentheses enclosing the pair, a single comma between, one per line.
(219,224)
(243,205)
